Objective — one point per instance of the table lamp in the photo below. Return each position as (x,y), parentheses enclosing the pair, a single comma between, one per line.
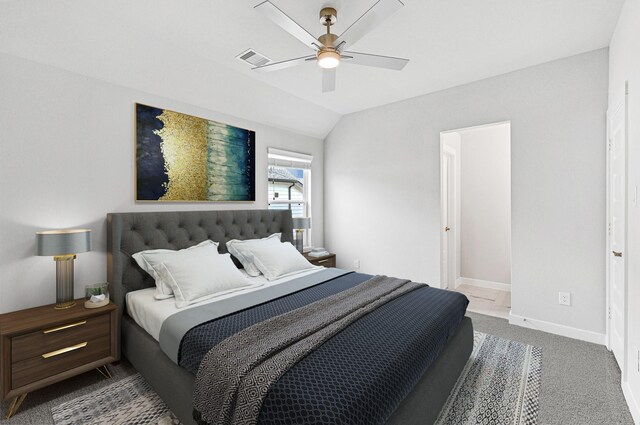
(63,245)
(300,224)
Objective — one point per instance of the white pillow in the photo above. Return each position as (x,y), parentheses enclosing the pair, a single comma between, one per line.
(195,279)
(150,258)
(241,249)
(279,260)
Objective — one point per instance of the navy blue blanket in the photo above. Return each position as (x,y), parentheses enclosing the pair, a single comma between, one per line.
(359,376)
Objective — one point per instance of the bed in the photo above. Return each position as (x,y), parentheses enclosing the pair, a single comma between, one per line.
(129,233)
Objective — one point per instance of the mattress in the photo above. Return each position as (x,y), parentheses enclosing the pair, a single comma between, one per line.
(150,313)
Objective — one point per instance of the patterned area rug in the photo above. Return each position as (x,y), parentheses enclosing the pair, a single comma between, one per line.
(499,385)
(127,401)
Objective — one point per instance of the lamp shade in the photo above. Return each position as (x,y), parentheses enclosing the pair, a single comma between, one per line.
(302,223)
(63,242)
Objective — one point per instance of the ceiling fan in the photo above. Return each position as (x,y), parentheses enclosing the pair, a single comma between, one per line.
(330,49)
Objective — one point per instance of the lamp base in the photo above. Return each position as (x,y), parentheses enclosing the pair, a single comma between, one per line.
(64,281)
(64,306)
(299,241)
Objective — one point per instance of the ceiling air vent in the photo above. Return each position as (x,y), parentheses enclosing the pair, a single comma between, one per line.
(253,58)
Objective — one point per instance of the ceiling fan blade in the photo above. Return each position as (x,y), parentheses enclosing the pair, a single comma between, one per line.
(276,66)
(272,12)
(328,80)
(378,61)
(377,13)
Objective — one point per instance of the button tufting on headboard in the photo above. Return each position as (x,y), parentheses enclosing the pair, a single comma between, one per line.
(128,233)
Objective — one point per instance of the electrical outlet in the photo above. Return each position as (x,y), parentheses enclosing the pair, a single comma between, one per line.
(356,264)
(564,298)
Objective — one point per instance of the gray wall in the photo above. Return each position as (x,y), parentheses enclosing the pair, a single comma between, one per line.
(66,160)
(485,204)
(382,193)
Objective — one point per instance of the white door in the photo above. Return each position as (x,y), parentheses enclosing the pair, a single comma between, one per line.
(447,219)
(617,232)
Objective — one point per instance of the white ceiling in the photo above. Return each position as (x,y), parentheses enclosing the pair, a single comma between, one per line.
(449,43)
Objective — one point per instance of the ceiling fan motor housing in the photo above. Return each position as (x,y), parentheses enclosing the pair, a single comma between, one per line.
(328,40)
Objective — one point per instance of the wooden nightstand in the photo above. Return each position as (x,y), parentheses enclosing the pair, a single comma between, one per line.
(327,260)
(41,346)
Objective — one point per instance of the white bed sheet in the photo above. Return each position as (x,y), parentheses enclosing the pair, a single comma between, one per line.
(150,313)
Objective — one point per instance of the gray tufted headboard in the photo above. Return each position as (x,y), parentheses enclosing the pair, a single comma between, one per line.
(128,233)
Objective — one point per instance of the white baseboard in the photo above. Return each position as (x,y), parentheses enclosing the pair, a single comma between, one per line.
(557,329)
(483,284)
(631,402)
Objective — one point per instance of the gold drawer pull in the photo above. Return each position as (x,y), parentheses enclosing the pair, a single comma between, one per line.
(60,328)
(323,261)
(64,350)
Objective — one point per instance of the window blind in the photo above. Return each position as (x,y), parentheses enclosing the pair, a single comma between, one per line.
(284,158)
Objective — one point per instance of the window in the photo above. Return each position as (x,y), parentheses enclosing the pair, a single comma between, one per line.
(289,184)
(286,190)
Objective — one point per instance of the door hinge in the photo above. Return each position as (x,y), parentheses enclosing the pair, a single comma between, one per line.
(609,229)
(609,313)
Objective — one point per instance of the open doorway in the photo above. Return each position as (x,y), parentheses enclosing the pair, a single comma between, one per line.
(475,165)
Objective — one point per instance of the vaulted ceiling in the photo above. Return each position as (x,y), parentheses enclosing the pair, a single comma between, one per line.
(186,49)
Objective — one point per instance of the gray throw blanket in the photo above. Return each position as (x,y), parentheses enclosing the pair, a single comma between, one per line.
(235,375)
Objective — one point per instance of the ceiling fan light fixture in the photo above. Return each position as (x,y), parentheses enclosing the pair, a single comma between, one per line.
(328,59)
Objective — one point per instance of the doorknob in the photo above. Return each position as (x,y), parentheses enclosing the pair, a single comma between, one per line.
(446,229)
(617,254)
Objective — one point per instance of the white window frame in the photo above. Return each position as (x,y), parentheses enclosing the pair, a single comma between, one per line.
(288,159)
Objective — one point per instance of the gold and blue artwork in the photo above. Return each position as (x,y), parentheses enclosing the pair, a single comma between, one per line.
(184,158)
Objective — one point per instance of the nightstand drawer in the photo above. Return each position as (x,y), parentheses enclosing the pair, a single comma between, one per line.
(56,361)
(326,262)
(52,338)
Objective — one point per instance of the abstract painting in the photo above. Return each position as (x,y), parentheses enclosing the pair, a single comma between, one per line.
(184,158)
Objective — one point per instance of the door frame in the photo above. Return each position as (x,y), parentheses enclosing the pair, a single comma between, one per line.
(456,230)
(620,104)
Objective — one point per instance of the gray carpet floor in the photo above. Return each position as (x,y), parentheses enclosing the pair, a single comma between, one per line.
(580,381)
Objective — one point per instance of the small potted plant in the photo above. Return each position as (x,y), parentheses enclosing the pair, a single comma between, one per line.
(96,295)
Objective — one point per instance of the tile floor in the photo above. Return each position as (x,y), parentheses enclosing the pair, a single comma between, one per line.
(491,302)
